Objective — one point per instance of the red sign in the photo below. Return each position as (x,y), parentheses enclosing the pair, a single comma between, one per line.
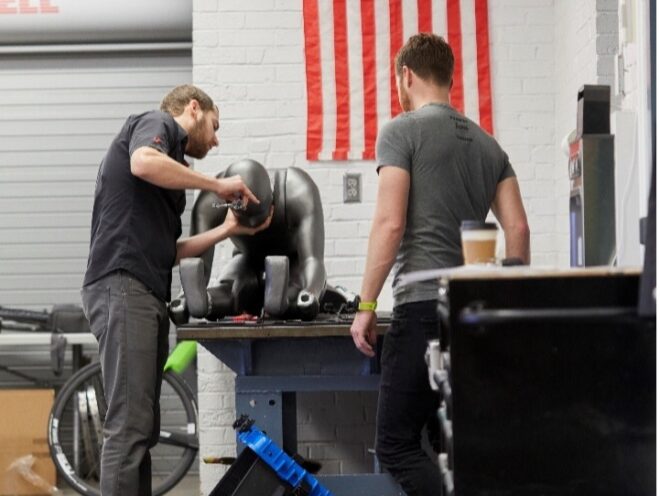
(28,7)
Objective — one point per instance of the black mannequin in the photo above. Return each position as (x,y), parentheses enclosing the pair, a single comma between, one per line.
(289,251)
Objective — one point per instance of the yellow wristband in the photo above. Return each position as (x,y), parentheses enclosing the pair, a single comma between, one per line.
(368,306)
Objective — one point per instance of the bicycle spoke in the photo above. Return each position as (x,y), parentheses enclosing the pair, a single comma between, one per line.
(93,471)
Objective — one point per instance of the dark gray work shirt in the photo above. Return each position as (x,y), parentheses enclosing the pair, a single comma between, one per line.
(135,224)
(454,170)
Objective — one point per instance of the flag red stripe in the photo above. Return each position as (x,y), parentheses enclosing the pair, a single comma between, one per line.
(424,16)
(342,142)
(455,39)
(369,78)
(317,74)
(396,41)
(314,85)
(483,65)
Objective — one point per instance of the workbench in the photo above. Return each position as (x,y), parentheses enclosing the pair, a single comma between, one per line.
(275,360)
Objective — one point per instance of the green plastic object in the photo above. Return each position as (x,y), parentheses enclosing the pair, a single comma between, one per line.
(181,356)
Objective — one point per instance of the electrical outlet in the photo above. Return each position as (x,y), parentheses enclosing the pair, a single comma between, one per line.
(352,187)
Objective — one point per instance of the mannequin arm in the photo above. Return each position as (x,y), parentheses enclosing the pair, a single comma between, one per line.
(310,246)
(305,218)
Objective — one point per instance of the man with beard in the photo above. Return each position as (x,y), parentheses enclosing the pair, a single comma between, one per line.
(136,223)
(436,168)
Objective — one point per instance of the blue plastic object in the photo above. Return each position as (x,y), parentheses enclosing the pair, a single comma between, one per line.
(284,466)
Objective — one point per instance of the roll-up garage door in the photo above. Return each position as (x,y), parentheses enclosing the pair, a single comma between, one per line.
(58,114)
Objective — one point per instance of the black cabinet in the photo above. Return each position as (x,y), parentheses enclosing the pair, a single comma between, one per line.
(550,385)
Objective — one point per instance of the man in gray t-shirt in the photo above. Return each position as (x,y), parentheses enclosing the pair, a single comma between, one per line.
(436,168)
(454,169)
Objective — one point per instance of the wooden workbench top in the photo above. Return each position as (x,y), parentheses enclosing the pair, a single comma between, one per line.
(226,329)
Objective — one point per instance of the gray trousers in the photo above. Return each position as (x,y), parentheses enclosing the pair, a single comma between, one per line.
(132,327)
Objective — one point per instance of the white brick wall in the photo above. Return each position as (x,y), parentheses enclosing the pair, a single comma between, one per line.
(522,34)
(249,56)
(632,135)
(215,390)
(586,36)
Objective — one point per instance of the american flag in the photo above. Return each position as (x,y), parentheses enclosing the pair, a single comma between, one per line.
(350,46)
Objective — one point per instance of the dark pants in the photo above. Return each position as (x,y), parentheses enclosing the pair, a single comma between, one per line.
(406,401)
(132,327)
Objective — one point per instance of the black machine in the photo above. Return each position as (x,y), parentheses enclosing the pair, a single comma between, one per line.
(591,171)
(548,387)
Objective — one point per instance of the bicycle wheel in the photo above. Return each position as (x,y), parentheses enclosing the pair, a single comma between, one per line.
(75,434)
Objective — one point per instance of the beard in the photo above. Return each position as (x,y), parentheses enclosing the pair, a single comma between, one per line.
(197,147)
(404,99)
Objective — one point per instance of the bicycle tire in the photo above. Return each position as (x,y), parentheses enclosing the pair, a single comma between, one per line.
(75,384)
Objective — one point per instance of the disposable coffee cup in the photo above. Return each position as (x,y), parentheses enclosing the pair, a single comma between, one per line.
(479,240)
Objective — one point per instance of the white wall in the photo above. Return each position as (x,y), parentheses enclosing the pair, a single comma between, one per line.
(523,68)
(632,139)
(249,56)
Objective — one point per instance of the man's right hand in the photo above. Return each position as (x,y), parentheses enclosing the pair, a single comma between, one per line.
(363,331)
(230,188)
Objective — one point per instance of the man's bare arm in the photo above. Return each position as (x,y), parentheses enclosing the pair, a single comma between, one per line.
(510,213)
(386,230)
(157,168)
(197,244)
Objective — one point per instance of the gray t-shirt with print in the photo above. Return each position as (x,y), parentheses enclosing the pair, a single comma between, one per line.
(454,169)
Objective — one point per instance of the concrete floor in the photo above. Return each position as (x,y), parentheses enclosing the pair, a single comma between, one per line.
(189,486)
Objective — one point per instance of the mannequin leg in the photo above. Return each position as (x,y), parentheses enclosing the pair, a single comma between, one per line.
(193,282)
(276,302)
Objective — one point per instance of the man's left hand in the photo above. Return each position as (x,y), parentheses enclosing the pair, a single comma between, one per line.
(363,331)
(234,228)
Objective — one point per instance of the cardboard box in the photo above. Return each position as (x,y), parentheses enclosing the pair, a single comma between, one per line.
(23,431)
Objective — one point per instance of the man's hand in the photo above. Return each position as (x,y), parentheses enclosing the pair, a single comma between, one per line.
(233,187)
(234,228)
(363,331)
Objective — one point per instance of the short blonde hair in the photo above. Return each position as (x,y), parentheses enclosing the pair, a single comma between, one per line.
(177,99)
